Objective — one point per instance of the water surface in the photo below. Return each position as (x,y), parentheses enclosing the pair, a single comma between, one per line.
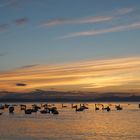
(72,125)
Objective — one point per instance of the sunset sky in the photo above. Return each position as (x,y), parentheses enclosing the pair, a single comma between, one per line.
(70,45)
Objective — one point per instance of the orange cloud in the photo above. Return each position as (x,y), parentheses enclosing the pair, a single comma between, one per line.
(99,75)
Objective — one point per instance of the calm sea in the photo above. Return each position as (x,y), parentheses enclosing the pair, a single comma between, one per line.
(71,125)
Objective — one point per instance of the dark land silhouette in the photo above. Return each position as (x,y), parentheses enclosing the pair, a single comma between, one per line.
(57,96)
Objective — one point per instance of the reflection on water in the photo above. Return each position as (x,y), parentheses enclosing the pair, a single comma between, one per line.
(71,125)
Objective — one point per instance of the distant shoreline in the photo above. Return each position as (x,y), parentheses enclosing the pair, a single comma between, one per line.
(55,96)
(67,101)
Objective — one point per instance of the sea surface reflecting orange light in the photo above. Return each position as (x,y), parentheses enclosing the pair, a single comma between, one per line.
(89,124)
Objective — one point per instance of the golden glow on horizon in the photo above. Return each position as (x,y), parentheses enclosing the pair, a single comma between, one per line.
(100,75)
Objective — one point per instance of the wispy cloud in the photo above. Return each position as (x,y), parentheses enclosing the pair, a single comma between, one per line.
(99,75)
(21,84)
(21,21)
(84,20)
(29,66)
(124,11)
(126,27)
(18,22)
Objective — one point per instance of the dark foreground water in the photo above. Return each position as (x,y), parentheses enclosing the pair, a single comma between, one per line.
(71,125)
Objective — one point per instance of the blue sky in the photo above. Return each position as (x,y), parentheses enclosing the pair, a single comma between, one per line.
(64,31)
